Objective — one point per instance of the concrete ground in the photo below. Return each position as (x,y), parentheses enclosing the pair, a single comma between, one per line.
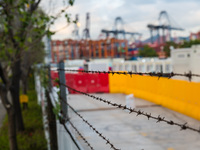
(2,113)
(128,131)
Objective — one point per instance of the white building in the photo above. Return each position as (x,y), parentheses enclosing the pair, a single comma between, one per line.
(185,60)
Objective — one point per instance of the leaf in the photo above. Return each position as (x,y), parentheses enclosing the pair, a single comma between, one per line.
(53,17)
(49,33)
(57,109)
(10,50)
(75,21)
(16,38)
(71,2)
(5,28)
(67,16)
(2,45)
(29,39)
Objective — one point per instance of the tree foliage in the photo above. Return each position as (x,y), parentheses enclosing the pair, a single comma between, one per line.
(187,44)
(147,51)
(168,46)
(22,26)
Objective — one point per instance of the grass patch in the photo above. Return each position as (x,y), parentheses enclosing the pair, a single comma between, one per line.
(33,136)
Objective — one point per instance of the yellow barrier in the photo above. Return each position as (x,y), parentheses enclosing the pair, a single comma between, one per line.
(178,95)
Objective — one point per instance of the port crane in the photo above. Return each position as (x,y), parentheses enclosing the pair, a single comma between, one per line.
(86,31)
(164,27)
(75,32)
(117,32)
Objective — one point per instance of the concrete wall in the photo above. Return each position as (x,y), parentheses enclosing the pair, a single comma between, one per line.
(178,95)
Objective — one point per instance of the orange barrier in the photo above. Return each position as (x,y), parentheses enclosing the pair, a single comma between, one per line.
(178,95)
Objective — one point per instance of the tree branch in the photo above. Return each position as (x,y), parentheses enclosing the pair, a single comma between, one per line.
(2,75)
(24,33)
(10,27)
(4,98)
(34,6)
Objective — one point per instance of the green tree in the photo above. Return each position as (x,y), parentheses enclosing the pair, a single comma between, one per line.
(187,44)
(168,46)
(20,20)
(147,51)
(33,56)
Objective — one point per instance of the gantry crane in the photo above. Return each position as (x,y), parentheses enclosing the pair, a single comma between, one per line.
(164,27)
(119,31)
(86,31)
(75,32)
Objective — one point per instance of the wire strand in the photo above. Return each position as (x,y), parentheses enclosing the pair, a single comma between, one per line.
(158,74)
(94,129)
(84,139)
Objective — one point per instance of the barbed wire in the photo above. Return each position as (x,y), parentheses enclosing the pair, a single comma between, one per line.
(84,139)
(94,129)
(70,134)
(189,75)
(138,112)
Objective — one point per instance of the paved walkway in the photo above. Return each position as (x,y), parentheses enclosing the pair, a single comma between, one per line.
(2,113)
(128,131)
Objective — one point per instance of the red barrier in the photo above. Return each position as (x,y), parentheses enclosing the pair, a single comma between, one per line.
(90,83)
(69,81)
(103,83)
(54,75)
(97,83)
(80,82)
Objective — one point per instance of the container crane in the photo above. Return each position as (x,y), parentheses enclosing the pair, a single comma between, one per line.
(119,31)
(86,31)
(164,27)
(75,32)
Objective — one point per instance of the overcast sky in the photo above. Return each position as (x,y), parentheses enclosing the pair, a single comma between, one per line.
(136,14)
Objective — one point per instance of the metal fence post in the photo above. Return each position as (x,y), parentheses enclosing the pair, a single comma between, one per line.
(49,81)
(52,126)
(62,82)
